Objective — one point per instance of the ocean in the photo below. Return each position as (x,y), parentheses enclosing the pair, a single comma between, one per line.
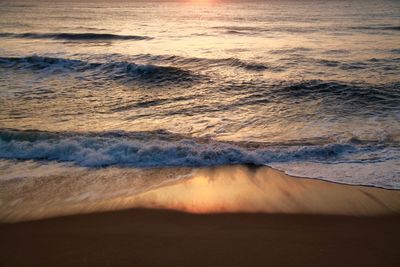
(94,92)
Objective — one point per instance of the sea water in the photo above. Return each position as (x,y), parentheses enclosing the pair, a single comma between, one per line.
(309,87)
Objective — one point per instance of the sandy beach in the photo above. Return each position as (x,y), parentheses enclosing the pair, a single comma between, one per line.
(278,221)
(168,238)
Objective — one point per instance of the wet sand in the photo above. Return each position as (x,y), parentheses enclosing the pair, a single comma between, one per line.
(222,216)
(168,238)
(242,188)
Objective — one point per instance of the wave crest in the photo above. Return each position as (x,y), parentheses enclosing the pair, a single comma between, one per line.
(205,62)
(75,36)
(121,71)
(158,149)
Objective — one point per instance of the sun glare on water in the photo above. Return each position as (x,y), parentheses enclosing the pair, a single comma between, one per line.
(202,2)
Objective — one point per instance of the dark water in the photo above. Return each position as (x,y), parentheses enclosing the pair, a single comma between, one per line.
(309,87)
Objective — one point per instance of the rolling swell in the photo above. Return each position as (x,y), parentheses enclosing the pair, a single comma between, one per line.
(377,27)
(385,95)
(162,149)
(204,62)
(121,71)
(75,36)
(339,97)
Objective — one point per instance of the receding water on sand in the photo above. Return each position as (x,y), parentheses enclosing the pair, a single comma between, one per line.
(55,190)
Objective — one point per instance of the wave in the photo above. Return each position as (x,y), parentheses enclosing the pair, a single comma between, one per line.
(252,66)
(294,57)
(152,64)
(291,50)
(377,27)
(334,97)
(354,161)
(239,28)
(348,91)
(204,62)
(298,58)
(250,30)
(346,98)
(161,149)
(122,70)
(75,36)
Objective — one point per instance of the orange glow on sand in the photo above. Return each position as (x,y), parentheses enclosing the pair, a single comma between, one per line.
(262,189)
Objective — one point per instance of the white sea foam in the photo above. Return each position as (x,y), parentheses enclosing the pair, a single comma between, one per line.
(351,162)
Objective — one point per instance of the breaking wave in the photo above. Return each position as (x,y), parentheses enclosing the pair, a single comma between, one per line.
(123,70)
(352,161)
(161,149)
